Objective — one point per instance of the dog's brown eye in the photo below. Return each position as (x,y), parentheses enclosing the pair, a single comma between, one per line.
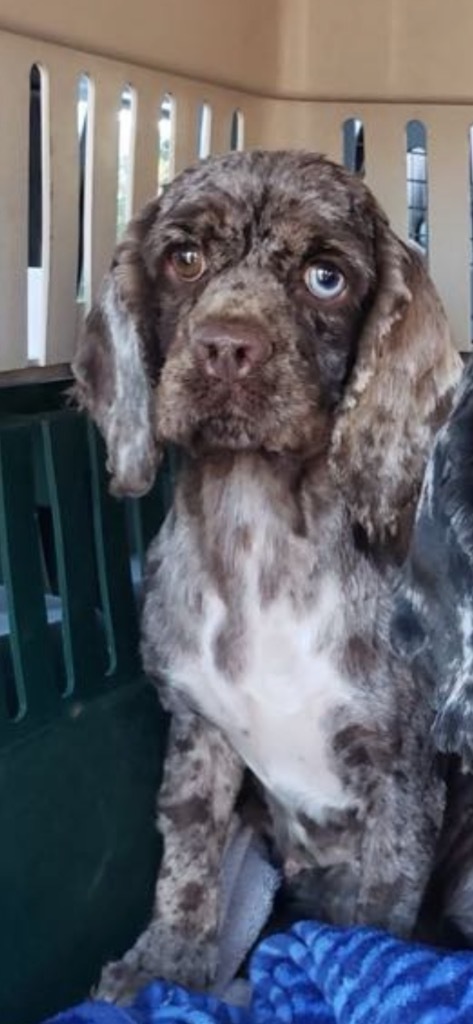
(325,281)
(188,263)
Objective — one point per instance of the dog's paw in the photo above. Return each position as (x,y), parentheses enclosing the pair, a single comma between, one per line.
(120,981)
(160,953)
(453,730)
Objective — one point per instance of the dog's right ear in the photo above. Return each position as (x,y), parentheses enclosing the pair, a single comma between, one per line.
(117,363)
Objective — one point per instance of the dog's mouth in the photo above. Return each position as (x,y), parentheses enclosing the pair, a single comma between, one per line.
(231,431)
(263,411)
(206,414)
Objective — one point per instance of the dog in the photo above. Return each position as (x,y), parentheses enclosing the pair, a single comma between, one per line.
(263,317)
(432,623)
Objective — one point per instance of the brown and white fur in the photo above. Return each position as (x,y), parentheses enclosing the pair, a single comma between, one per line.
(263,316)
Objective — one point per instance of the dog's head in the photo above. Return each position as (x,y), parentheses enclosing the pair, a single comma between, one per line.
(264,303)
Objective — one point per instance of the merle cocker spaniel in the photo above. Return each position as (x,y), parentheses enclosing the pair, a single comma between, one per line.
(263,316)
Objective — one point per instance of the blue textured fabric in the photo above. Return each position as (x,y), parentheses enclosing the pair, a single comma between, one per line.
(315,974)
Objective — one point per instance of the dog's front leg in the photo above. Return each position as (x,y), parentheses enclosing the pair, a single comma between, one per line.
(397,854)
(202,776)
(380,864)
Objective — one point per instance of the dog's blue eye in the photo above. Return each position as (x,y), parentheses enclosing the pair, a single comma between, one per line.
(324,281)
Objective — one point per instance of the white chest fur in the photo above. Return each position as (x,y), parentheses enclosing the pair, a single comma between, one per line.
(274,702)
(275,713)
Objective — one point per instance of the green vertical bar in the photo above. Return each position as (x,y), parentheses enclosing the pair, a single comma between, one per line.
(67,471)
(35,688)
(114,568)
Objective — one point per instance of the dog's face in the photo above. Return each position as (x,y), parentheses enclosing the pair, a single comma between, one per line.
(265,267)
(264,303)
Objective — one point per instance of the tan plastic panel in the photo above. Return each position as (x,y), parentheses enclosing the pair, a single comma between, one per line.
(268,123)
(343,49)
(376,50)
(226,41)
(61,244)
(449,208)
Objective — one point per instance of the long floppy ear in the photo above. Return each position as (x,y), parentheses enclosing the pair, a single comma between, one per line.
(398,394)
(117,363)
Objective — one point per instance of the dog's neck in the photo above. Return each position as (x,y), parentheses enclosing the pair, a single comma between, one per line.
(228,498)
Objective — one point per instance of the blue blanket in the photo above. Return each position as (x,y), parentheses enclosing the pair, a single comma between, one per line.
(320,975)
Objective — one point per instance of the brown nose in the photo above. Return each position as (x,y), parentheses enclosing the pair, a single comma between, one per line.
(230,350)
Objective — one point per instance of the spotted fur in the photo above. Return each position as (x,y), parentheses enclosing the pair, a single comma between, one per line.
(433,617)
(268,595)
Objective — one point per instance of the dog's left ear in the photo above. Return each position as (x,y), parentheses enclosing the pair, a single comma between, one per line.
(118,361)
(399,392)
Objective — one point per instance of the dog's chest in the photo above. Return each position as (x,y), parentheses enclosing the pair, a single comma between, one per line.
(264,664)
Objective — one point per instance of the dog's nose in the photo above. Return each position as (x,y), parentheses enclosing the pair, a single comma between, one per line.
(230,350)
